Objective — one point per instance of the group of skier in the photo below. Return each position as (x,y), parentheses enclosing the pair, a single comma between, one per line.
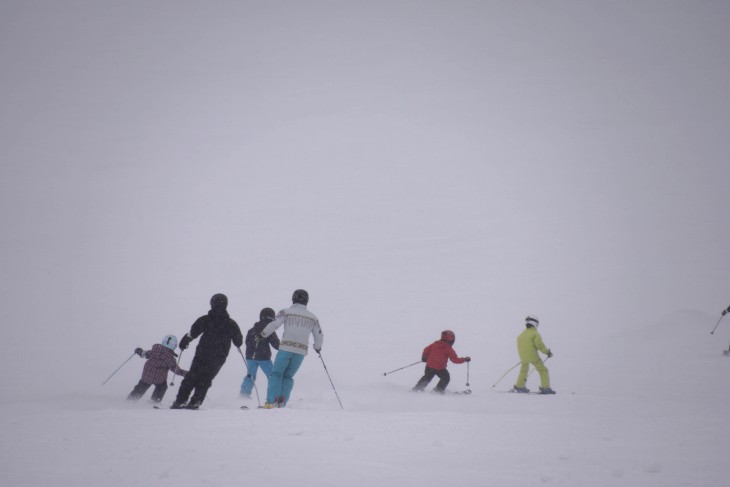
(529,343)
(217,331)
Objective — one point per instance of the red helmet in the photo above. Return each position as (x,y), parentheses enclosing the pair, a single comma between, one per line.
(448,336)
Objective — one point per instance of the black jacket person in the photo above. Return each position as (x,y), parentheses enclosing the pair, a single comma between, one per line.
(216,331)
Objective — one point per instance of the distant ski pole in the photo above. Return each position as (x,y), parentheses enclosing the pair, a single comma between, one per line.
(172,382)
(505,374)
(724,312)
(248,372)
(330,378)
(467,373)
(130,358)
(396,370)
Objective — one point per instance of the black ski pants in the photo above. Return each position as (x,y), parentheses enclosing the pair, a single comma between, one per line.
(142,387)
(199,379)
(443,375)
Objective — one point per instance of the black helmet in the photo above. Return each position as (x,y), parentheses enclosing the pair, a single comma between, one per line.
(448,336)
(300,296)
(267,314)
(219,301)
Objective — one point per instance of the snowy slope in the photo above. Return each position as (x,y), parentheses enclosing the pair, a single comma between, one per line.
(416,166)
(643,413)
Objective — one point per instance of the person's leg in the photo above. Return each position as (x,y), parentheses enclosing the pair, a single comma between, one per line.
(186,386)
(209,372)
(266,366)
(445,378)
(250,379)
(423,381)
(544,374)
(159,391)
(138,391)
(281,362)
(288,379)
(522,377)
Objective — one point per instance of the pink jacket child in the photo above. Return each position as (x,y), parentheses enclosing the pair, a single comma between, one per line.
(159,360)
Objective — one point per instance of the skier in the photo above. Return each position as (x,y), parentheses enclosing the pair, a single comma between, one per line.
(217,330)
(298,323)
(159,360)
(528,344)
(437,356)
(258,351)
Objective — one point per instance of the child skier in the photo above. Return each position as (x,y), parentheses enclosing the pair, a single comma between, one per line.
(528,344)
(437,357)
(159,360)
(258,350)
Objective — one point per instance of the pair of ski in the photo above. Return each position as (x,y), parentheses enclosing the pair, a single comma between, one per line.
(198,409)
(531,393)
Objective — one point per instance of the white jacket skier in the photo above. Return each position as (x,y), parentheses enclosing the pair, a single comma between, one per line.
(299,323)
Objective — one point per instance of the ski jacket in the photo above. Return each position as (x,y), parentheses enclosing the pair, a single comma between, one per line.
(258,348)
(438,354)
(528,343)
(159,360)
(218,330)
(298,323)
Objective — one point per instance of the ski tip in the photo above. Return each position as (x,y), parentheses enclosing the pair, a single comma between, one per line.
(244,407)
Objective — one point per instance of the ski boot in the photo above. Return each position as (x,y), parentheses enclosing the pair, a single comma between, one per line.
(177,405)
(546,390)
(521,390)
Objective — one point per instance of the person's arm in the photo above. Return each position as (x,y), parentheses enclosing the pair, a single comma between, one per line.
(237,337)
(274,325)
(455,358)
(195,331)
(541,346)
(274,341)
(318,337)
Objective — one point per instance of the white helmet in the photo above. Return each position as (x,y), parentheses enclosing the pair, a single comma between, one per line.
(532,320)
(170,341)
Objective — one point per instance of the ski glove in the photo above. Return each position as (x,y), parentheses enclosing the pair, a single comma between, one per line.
(139,351)
(185,341)
(467,359)
(549,354)
(317,349)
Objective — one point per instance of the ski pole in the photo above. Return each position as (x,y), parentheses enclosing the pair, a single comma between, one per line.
(724,312)
(130,358)
(396,370)
(330,378)
(248,374)
(172,382)
(505,374)
(467,373)
(718,324)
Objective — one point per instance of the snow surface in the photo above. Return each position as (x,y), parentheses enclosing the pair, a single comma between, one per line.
(417,166)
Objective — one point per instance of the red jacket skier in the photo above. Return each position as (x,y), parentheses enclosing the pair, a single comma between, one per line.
(437,356)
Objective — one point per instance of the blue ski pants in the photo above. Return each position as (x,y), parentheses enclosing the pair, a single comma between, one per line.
(281,379)
(250,379)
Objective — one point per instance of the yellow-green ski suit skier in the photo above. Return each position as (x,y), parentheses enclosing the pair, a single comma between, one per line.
(528,344)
